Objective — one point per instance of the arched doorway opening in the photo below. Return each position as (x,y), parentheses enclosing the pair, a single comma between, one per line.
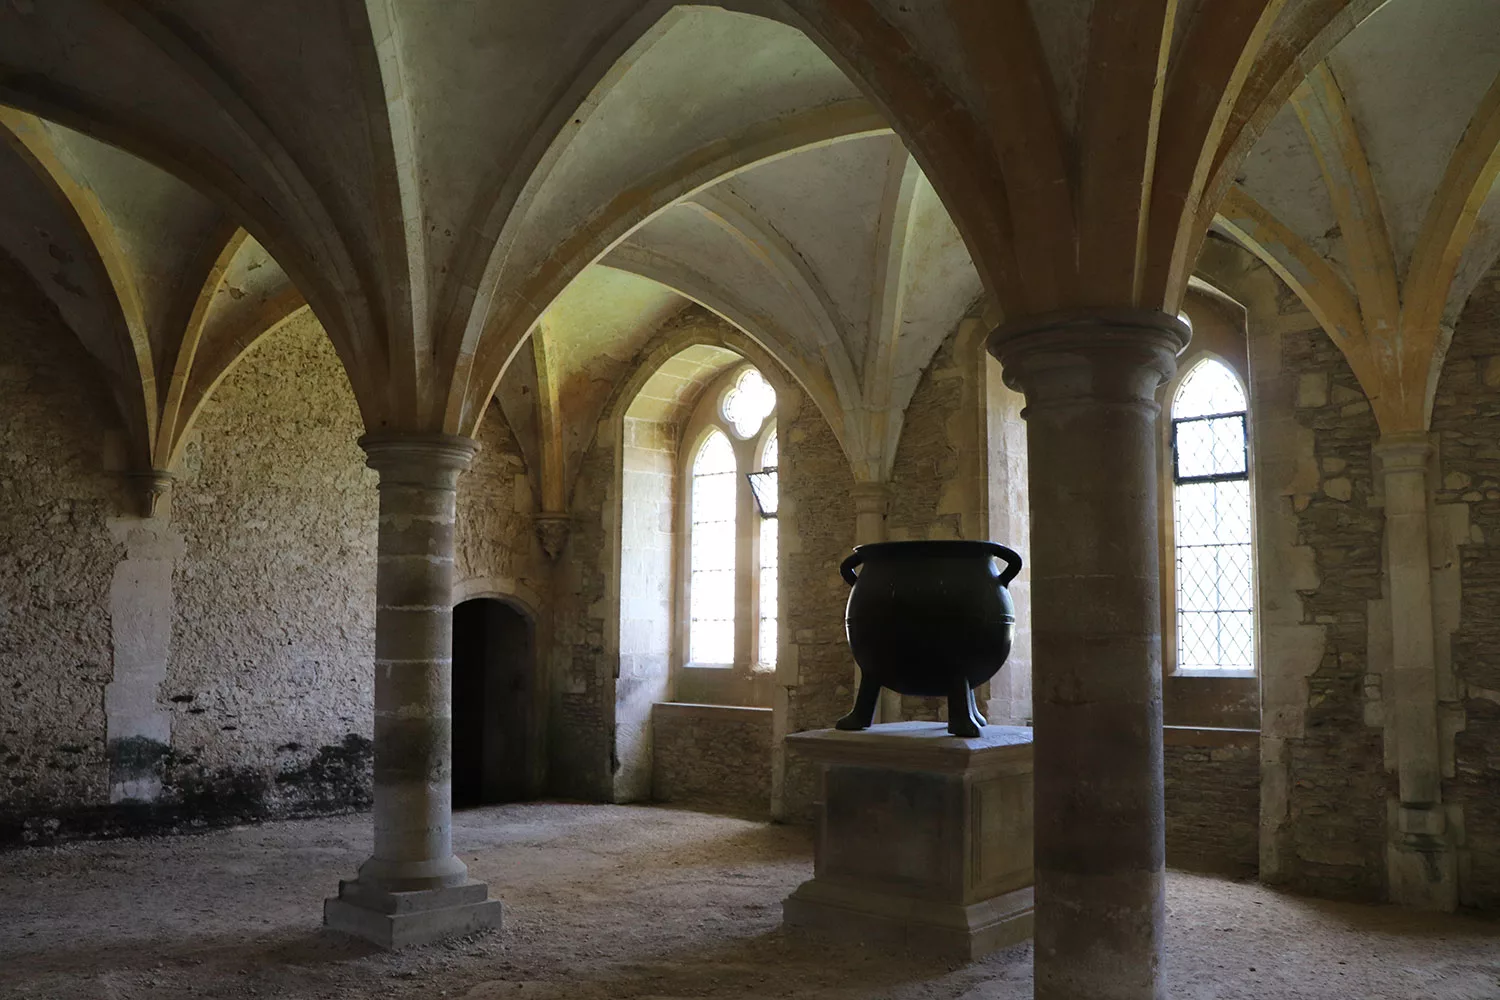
(494,694)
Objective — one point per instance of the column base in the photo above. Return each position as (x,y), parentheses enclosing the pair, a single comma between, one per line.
(408,919)
(944,931)
(1421,862)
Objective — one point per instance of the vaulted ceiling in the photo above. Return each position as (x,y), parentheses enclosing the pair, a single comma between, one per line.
(453,187)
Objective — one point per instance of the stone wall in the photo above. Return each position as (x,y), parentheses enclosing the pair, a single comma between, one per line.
(1319,531)
(57,558)
(713,757)
(1213,801)
(212,664)
(817,532)
(932,490)
(496,551)
(269,681)
(581,662)
(935,493)
(1333,842)
(1466,421)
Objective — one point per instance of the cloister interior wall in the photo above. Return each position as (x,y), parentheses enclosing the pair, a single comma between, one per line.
(1466,538)
(213,663)
(56,562)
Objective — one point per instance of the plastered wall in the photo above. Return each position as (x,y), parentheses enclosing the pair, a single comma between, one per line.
(57,559)
(270,683)
(212,664)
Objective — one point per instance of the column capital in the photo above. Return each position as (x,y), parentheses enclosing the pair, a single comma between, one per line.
(552,530)
(418,457)
(1404,451)
(1100,354)
(150,488)
(871,497)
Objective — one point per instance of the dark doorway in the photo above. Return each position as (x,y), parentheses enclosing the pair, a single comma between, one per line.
(494,690)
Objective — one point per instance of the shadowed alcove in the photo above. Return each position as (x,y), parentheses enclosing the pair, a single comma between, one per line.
(494,687)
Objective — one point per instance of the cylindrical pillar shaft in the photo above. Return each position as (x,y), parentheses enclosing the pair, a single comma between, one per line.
(1090,381)
(413,660)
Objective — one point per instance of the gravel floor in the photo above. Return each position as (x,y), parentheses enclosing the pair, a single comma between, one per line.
(623,902)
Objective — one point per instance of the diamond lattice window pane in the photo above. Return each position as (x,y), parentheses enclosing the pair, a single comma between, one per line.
(1197,518)
(1208,389)
(1197,643)
(1197,579)
(1237,640)
(1212,523)
(1232,510)
(1213,446)
(1235,589)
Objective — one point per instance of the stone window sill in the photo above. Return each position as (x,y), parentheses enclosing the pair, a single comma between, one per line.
(1224,674)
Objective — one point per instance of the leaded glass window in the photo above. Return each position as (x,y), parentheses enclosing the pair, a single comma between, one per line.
(711,556)
(768,561)
(1211,487)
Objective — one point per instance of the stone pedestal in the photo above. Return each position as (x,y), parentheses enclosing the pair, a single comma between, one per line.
(924,839)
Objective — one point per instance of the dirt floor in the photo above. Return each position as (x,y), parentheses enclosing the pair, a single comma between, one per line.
(623,902)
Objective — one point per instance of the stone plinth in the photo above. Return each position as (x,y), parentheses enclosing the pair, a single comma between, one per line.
(924,839)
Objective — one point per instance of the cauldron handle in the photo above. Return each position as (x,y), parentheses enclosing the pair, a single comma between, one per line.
(1010,556)
(846,568)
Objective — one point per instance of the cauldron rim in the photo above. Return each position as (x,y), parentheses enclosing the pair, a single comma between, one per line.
(951,547)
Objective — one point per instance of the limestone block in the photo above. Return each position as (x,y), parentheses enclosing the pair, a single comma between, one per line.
(411,919)
(1312,389)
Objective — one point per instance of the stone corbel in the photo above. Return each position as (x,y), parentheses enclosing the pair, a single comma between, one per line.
(552,530)
(150,488)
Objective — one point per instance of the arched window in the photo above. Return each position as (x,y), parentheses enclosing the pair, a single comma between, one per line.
(1211,521)
(766,498)
(711,556)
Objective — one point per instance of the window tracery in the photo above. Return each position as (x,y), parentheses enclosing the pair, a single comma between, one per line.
(748,403)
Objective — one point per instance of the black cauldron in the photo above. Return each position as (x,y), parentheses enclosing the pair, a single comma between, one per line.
(931,619)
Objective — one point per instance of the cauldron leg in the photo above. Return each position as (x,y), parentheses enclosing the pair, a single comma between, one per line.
(961,711)
(863,712)
(975,712)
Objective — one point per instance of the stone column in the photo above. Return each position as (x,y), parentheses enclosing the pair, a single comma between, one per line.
(1090,381)
(1420,858)
(872,504)
(413,889)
